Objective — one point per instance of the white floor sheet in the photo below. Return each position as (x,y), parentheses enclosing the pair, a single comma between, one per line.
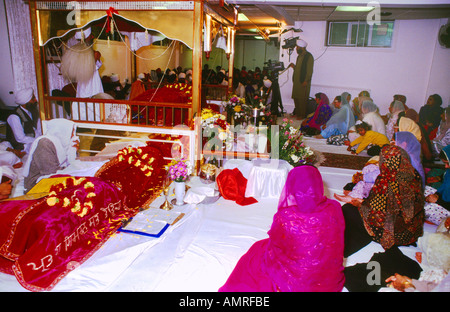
(197,254)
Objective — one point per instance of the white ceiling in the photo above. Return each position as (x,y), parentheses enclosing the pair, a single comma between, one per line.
(270,14)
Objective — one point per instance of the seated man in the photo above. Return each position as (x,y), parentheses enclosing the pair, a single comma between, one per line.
(23,124)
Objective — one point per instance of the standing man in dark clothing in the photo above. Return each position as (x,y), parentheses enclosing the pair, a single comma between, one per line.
(303,70)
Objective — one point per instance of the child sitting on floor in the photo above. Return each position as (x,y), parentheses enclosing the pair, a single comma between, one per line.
(362,182)
(367,138)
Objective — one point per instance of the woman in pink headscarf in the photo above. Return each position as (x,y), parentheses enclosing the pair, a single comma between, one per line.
(311,125)
(304,251)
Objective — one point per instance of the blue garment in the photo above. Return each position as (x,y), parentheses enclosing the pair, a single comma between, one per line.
(330,131)
(411,145)
(341,121)
(444,189)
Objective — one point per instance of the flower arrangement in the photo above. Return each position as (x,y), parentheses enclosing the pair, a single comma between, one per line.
(210,119)
(72,202)
(256,101)
(237,109)
(215,122)
(266,117)
(292,147)
(179,170)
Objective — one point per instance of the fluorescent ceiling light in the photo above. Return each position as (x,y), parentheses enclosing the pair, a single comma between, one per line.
(242,18)
(354,8)
(258,37)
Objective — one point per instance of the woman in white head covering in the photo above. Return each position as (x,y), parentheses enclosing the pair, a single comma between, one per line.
(52,151)
(395,108)
(371,116)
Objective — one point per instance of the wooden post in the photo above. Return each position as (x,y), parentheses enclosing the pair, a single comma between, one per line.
(37,58)
(197,58)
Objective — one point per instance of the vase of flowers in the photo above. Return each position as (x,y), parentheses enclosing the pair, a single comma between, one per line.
(215,130)
(179,171)
(237,110)
(292,147)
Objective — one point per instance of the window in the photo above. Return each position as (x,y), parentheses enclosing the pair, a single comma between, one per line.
(360,34)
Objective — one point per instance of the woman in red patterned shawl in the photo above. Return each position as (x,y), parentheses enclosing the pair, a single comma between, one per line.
(311,126)
(393,213)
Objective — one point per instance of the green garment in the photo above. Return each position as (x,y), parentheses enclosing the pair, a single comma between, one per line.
(300,93)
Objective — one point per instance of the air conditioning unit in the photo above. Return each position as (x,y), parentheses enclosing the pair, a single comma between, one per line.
(444,35)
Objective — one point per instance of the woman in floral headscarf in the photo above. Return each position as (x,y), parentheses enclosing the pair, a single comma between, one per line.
(393,213)
(304,251)
(311,126)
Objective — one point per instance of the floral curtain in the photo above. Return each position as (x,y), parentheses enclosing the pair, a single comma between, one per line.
(20,38)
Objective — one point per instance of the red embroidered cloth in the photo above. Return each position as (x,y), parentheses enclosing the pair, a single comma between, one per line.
(172,93)
(41,243)
(42,240)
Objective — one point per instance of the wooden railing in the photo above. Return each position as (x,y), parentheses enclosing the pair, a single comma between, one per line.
(118,111)
(215,92)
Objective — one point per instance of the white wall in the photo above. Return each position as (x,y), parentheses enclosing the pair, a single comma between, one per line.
(439,81)
(405,68)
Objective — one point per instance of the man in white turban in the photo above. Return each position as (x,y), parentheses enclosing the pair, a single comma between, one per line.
(303,70)
(23,125)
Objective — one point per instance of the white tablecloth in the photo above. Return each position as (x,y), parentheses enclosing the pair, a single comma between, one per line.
(267,178)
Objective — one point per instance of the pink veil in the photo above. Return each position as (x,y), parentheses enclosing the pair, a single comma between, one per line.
(304,251)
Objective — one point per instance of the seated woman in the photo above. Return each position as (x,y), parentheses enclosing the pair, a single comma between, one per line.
(394,109)
(409,121)
(311,126)
(296,256)
(336,104)
(438,200)
(397,97)
(407,141)
(370,115)
(442,138)
(340,122)
(429,115)
(393,213)
(368,138)
(52,151)
(357,103)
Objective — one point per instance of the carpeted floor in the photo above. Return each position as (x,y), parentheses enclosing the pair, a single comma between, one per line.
(343,161)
